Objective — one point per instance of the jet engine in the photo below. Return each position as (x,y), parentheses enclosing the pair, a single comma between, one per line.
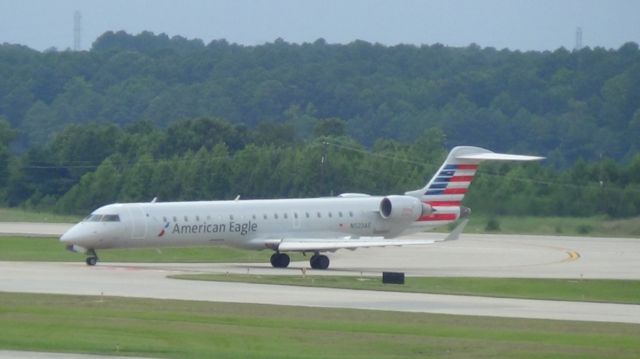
(403,208)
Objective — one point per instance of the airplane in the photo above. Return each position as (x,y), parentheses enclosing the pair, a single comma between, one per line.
(306,225)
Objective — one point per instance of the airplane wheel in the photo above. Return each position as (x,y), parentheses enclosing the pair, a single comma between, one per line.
(284,260)
(91,261)
(280,260)
(323,262)
(319,261)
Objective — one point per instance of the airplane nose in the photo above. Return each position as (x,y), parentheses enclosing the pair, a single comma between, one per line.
(72,235)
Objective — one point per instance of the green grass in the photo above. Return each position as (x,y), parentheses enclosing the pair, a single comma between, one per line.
(21,215)
(600,290)
(568,226)
(187,329)
(50,249)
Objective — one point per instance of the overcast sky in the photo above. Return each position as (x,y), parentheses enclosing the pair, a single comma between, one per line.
(513,24)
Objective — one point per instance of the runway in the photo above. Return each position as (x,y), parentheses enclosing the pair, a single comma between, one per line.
(472,255)
(134,281)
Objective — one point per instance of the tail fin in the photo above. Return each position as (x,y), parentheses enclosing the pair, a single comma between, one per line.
(446,190)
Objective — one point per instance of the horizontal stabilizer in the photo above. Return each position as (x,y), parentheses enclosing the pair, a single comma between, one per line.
(491,156)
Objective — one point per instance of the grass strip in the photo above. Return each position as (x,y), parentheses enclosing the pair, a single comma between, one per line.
(588,290)
(188,329)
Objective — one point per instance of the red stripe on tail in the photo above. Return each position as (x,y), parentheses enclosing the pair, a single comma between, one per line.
(455,191)
(439,217)
(461,179)
(444,203)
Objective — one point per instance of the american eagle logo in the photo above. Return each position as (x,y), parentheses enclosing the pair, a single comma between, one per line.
(166,225)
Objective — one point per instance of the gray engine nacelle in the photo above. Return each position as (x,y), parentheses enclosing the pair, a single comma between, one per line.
(405,208)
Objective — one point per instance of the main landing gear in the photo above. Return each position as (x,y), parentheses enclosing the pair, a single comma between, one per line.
(319,261)
(280,260)
(92,258)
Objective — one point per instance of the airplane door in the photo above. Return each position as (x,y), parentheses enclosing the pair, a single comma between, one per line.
(296,219)
(138,221)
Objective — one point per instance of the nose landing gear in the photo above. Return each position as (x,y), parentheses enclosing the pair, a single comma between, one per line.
(92,258)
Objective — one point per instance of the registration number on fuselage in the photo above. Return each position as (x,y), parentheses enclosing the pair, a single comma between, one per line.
(361,225)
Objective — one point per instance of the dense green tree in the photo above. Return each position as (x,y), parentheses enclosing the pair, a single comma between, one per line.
(476,95)
(6,137)
(330,127)
(147,115)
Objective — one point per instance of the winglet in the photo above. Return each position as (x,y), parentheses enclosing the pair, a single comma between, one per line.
(455,234)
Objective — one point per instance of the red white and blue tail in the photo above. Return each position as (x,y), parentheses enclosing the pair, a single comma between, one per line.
(446,190)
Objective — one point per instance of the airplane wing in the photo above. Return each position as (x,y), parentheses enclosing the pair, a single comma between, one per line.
(332,245)
(322,245)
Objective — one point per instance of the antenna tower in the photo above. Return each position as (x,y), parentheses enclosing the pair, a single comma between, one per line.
(578,38)
(77,31)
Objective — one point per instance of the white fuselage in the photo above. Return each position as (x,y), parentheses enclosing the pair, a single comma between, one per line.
(255,224)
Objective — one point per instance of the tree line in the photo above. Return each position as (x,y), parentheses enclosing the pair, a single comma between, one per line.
(562,104)
(89,165)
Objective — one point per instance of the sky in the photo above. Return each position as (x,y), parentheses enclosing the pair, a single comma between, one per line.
(514,24)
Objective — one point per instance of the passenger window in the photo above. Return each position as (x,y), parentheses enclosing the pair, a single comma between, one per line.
(295,215)
(285,216)
(275,216)
(175,219)
(340,214)
(186,219)
(197,218)
(264,216)
(164,219)
(208,218)
(319,215)
(231,217)
(330,215)
(253,216)
(350,214)
(306,214)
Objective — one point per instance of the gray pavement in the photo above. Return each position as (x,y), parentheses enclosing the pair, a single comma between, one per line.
(145,282)
(33,229)
(472,255)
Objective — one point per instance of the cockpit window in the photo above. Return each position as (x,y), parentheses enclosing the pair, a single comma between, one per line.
(110,218)
(93,218)
(102,218)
